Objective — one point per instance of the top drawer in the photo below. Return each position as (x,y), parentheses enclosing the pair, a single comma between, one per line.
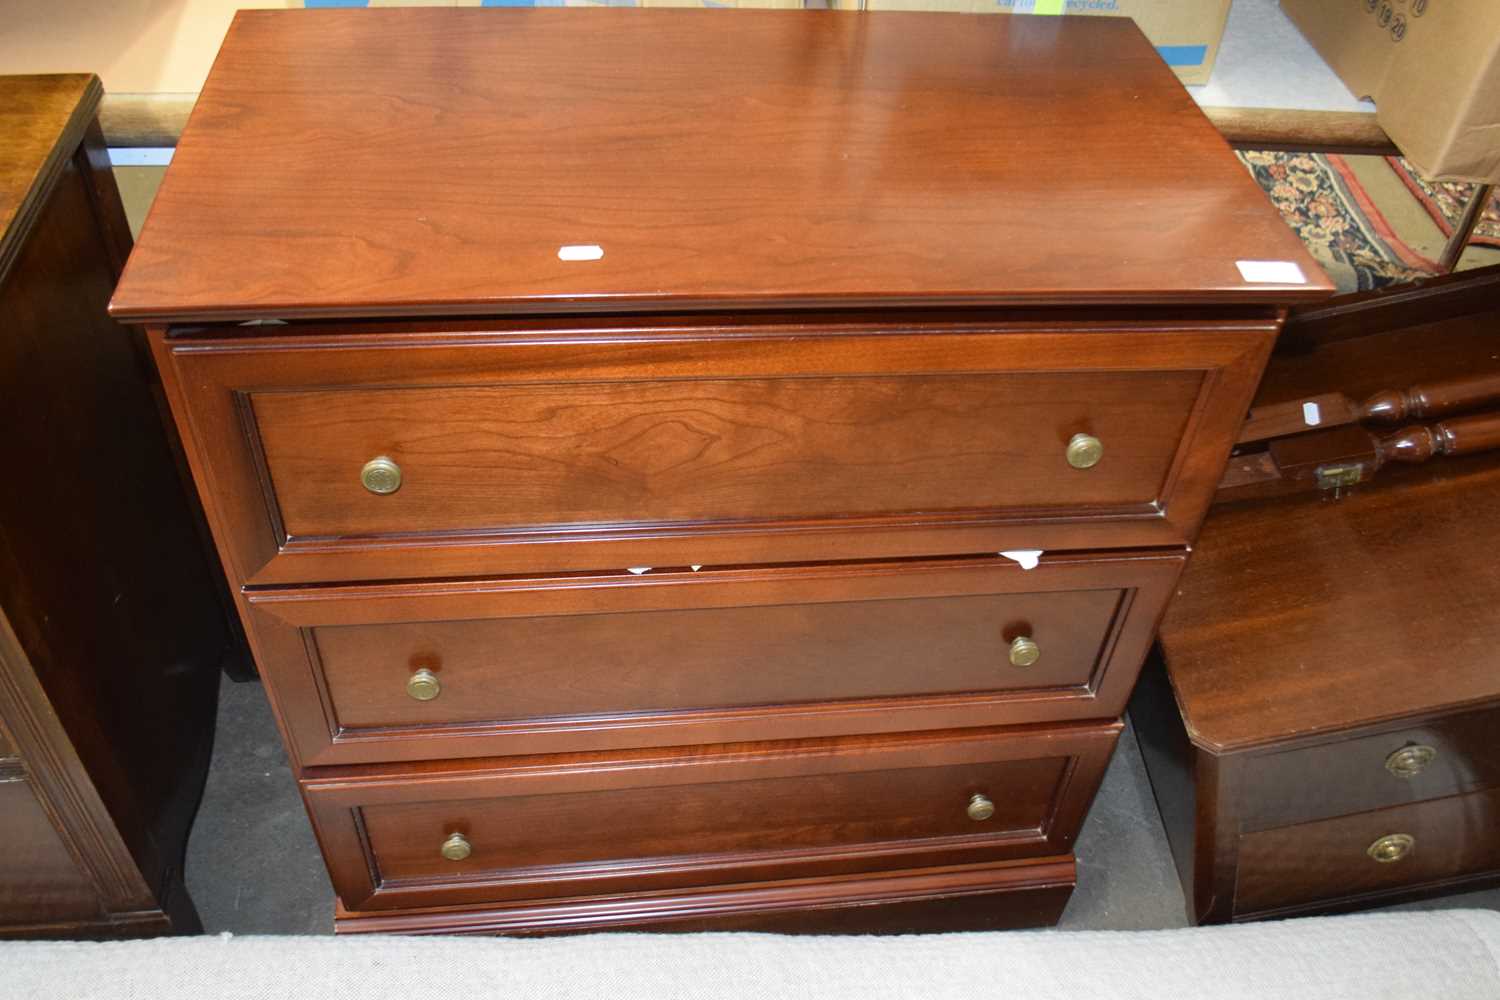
(532,450)
(1367,770)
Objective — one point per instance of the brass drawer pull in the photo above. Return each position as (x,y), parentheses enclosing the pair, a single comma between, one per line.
(980,808)
(1391,848)
(381,476)
(1024,651)
(1410,761)
(1084,451)
(424,685)
(457,847)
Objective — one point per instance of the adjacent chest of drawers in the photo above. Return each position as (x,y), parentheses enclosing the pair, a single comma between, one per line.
(111,632)
(1332,745)
(693,472)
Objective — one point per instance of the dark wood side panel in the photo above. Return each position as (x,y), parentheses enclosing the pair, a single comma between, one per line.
(101,573)
(220,383)
(574,825)
(992,897)
(615,661)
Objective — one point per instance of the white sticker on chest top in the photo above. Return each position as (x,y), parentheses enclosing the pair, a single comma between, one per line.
(580,251)
(1312,416)
(1271,272)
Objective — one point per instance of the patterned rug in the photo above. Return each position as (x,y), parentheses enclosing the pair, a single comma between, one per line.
(1321,200)
(1445,202)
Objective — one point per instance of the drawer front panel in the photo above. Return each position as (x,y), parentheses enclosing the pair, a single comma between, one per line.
(542,450)
(675,658)
(1450,838)
(1439,757)
(787,449)
(664,661)
(707,816)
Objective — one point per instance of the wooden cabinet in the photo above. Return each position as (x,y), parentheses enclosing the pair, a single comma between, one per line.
(741,518)
(1330,744)
(111,634)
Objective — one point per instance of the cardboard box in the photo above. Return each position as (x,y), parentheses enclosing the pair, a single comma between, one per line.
(1432,67)
(1185,32)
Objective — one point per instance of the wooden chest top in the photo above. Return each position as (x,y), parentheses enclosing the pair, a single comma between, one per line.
(42,119)
(438,161)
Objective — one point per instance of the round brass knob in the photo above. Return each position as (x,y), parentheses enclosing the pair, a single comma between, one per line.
(424,685)
(381,475)
(1024,651)
(980,808)
(1392,848)
(1410,761)
(457,847)
(1084,451)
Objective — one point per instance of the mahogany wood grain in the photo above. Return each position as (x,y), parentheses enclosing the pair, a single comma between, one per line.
(721,655)
(803,448)
(1328,860)
(1387,592)
(996,896)
(805,157)
(155,120)
(733,441)
(577,825)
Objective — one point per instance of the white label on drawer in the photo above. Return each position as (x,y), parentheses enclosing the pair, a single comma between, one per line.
(1271,272)
(580,251)
(696,568)
(1311,415)
(637,570)
(1028,558)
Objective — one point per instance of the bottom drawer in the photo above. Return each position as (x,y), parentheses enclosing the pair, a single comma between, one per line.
(544,827)
(1387,850)
(1002,896)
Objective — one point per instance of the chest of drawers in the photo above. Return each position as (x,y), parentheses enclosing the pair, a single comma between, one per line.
(683,471)
(1333,745)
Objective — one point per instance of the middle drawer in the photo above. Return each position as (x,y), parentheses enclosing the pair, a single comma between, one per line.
(423,671)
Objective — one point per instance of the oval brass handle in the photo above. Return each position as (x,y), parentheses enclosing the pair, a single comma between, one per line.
(1084,451)
(1410,761)
(424,685)
(980,808)
(380,475)
(457,847)
(1024,651)
(1391,848)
